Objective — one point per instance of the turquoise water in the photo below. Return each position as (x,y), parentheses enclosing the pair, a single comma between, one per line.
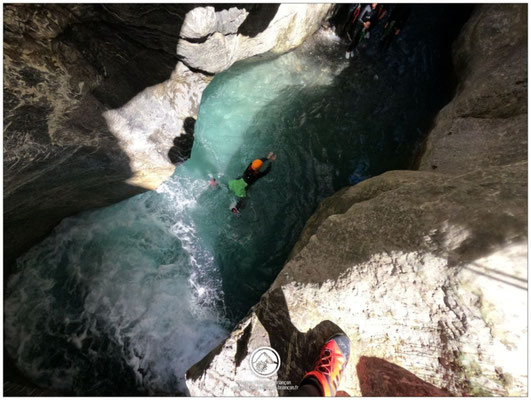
(123,300)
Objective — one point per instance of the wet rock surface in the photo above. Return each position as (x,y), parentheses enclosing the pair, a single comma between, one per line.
(426,272)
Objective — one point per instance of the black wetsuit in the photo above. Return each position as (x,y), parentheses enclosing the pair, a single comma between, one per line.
(352,15)
(367,14)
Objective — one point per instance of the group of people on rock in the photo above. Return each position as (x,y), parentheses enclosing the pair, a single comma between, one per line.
(359,19)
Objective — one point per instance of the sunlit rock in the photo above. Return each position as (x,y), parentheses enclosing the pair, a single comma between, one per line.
(423,270)
(203,21)
(199,22)
(147,125)
(289,26)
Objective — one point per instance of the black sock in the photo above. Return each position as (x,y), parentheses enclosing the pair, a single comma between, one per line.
(308,387)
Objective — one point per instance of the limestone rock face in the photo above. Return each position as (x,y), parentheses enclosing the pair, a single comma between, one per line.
(145,127)
(199,22)
(203,21)
(59,78)
(425,271)
(224,43)
(95,97)
(486,122)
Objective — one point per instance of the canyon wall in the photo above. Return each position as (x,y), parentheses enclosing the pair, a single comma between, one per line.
(95,97)
(425,271)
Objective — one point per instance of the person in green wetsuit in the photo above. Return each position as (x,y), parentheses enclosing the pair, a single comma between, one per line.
(251,174)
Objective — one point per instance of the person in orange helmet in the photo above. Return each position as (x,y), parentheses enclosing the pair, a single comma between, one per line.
(251,174)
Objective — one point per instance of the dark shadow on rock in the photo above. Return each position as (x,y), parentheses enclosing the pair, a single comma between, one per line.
(241,345)
(380,378)
(131,46)
(260,15)
(182,145)
(298,351)
(196,370)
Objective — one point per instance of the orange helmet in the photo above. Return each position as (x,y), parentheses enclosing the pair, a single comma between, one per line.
(257,164)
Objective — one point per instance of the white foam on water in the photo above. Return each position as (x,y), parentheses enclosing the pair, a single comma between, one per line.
(133,287)
(105,275)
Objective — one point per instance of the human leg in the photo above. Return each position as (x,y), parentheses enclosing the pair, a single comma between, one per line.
(356,36)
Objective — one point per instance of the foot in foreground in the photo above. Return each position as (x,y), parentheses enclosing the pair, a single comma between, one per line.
(326,375)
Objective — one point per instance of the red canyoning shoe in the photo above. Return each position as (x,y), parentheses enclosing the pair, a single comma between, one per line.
(330,365)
